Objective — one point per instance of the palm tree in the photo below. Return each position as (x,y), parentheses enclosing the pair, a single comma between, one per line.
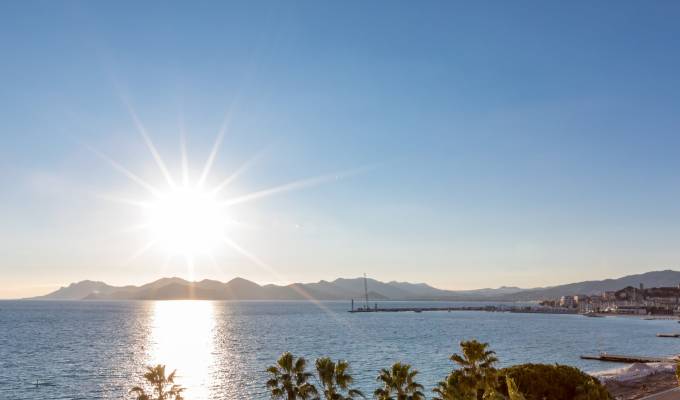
(513,391)
(289,379)
(477,366)
(163,387)
(456,386)
(399,384)
(335,379)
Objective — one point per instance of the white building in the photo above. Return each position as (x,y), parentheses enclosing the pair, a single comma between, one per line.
(568,301)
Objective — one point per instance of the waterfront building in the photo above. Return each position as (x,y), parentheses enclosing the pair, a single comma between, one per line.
(629,300)
(609,295)
(568,301)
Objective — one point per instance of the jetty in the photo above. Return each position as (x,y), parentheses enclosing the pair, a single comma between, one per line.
(671,335)
(622,358)
(368,308)
(488,308)
(420,309)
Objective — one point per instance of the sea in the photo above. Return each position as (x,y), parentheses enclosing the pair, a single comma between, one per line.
(221,349)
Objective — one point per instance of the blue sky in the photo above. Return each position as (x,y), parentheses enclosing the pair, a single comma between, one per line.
(523,143)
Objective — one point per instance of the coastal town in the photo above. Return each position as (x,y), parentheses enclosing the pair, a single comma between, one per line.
(661,301)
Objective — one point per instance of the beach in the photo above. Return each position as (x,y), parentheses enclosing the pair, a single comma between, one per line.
(640,381)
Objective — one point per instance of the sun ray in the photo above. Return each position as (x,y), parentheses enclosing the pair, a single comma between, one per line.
(136,179)
(131,202)
(190,270)
(152,148)
(248,255)
(243,168)
(185,161)
(256,260)
(186,213)
(213,152)
(303,183)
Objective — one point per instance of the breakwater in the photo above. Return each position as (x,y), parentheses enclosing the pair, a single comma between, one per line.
(510,309)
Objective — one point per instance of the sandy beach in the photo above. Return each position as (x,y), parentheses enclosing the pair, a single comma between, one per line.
(639,381)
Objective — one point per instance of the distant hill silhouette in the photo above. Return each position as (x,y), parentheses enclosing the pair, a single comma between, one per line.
(341,289)
(648,279)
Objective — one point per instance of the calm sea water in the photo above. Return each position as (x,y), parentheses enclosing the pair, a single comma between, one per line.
(98,350)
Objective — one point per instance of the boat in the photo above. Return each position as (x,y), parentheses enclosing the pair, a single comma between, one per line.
(594,315)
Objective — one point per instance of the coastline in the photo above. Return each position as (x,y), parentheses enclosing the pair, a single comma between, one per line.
(638,381)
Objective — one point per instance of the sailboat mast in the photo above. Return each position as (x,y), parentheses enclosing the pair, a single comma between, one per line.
(366,290)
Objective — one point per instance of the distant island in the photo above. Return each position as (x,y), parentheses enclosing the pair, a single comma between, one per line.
(342,289)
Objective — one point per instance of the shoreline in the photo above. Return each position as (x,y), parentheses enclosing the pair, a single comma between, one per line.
(639,380)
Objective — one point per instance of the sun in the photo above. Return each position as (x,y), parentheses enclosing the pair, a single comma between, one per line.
(184,217)
(186,220)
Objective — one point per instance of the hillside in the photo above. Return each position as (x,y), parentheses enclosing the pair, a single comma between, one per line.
(342,289)
(242,289)
(649,279)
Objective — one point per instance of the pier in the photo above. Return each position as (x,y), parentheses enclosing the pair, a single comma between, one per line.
(669,335)
(621,358)
(416,309)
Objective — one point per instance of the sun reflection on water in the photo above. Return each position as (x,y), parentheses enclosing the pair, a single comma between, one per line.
(183,338)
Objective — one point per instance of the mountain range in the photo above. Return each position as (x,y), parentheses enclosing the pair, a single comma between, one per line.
(341,289)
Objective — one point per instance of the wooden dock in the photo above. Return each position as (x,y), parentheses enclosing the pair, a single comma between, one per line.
(621,358)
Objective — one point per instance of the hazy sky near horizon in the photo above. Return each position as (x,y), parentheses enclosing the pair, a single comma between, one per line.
(496,143)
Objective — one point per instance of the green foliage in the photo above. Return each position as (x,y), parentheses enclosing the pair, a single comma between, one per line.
(555,382)
(475,378)
(336,380)
(513,391)
(398,383)
(289,379)
(477,375)
(162,387)
(456,386)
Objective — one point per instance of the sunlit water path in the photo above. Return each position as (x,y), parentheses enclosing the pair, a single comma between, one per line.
(183,336)
(98,350)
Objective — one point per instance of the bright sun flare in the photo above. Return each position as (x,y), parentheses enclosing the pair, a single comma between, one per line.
(186,221)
